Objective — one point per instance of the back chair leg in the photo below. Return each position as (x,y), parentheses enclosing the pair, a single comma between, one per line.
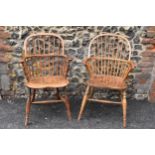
(57,93)
(124,108)
(65,99)
(91,92)
(90,95)
(84,101)
(33,94)
(28,106)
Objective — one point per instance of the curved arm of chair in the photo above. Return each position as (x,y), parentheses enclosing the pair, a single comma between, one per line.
(130,67)
(21,61)
(127,65)
(85,61)
(30,60)
(69,58)
(88,66)
(25,68)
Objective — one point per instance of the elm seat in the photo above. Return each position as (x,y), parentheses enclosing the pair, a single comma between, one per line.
(110,82)
(47,82)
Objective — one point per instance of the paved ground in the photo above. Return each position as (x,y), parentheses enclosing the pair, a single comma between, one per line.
(141,114)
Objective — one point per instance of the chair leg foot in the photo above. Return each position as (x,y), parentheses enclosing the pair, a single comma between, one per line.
(67,105)
(26,120)
(124,123)
(27,114)
(28,106)
(83,104)
(124,108)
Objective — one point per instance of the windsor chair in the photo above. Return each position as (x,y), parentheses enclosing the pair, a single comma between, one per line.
(45,66)
(108,64)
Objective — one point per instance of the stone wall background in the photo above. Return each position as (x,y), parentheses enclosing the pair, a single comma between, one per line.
(145,79)
(76,40)
(5,55)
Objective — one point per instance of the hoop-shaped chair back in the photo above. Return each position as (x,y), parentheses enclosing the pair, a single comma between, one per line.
(43,43)
(110,46)
(109,54)
(44,56)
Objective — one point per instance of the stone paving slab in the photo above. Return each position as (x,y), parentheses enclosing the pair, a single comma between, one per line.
(141,115)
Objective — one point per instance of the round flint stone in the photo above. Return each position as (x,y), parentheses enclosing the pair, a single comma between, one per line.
(14,35)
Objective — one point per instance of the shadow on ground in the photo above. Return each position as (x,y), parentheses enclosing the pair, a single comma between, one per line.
(141,115)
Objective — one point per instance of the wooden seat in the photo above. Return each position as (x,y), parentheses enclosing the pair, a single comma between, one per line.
(110,82)
(45,66)
(108,64)
(48,82)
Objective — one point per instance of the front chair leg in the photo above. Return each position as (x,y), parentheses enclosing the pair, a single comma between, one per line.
(28,106)
(84,101)
(124,108)
(65,99)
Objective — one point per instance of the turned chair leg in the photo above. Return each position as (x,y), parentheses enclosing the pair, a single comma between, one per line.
(84,101)
(124,108)
(65,99)
(28,106)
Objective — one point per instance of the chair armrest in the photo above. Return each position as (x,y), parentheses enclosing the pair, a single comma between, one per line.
(88,66)
(85,61)
(130,67)
(133,64)
(92,69)
(70,58)
(21,61)
(33,65)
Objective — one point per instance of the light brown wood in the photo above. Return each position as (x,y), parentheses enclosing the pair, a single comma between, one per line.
(65,99)
(45,66)
(84,101)
(124,108)
(47,101)
(28,106)
(108,64)
(105,101)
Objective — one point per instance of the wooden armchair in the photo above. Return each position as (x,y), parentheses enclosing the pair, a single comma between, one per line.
(108,64)
(45,66)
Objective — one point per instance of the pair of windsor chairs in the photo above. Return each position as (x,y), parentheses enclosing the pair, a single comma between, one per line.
(45,66)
